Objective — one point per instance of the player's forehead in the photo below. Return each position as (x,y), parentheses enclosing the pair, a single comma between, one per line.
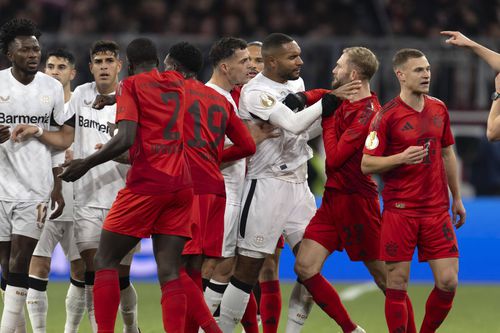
(25,41)
(288,49)
(56,61)
(240,54)
(103,55)
(414,63)
(255,51)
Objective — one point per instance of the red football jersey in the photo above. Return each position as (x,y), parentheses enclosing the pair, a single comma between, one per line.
(419,189)
(155,101)
(344,135)
(235,94)
(208,119)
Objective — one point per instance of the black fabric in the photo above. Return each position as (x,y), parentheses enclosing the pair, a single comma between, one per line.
(218,288)
(204,283)
(38,284)
(20,280)
(124,282)
(71,121)
(330,103)
(89,278)
(77,283)
(247,288)
(295,102)
(3,283)
(246,208)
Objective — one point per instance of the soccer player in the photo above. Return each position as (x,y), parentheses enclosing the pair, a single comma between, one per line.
(278,168)
(349,216)
(60,65)
(493,59)
(157,199)
(27,96)
(94,193)
(411,145)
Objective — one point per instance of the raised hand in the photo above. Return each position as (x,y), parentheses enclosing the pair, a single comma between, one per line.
(23,132)
(413,155)
(74,170)
(457,38)
(4,133)
(348,90)
(102,100)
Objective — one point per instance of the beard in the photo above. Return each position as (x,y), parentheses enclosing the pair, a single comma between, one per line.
(339,81)
(291,75)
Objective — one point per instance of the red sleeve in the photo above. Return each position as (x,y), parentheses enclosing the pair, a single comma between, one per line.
(238,133)
(312,96)
(338,151)
(447,139)
(126,104)
(376,141)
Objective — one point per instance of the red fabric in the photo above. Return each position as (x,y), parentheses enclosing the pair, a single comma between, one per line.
(418,189)
(410,326)
(140,216)
(270,305)
(437,307)
(106,299)
(396,312)
(195,275)
(209,117)
(329,301)
(281,242)
(173,306)
(198,314)
(344,135)
(433,235)
(314,95)
(155,101)
(210,237)
(235,94)
(350,221)
(249,319)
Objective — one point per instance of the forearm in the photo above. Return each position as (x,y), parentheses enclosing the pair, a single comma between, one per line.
(114,148)
(59,140)
(493,124)
(296,122)
(379,164)
(450,166)
(491,57)
(56,171)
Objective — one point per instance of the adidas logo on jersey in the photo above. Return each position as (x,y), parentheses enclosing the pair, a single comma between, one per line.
(23,119)
(88,123)
(407,127)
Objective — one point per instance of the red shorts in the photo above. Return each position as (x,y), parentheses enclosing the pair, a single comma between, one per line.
(347,221)
(433,235)
(281,242)
(209,234)
(141,216)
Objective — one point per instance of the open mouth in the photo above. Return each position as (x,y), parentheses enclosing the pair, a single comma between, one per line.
(104,76)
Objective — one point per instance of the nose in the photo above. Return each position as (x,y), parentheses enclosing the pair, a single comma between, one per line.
(299,61)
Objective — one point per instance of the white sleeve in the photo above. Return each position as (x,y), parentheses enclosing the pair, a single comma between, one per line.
(293,122)
(315,129)
(58,112)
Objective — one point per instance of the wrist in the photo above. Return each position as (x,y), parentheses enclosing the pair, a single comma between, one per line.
(39,131)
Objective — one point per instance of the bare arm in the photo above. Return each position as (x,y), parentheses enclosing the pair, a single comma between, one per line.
(380,164)
(60,140)
(493,124)
(458,39)
(450,166)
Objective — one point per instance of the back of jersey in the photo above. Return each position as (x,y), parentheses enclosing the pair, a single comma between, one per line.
(156,102)
(206,119)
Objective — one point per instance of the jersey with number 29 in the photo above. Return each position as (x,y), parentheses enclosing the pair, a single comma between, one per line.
(156,102)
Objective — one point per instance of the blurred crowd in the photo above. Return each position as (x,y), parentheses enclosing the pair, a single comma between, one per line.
(255,18)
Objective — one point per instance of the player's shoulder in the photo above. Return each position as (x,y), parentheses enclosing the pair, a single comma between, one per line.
(435,102)
(47,80)
(390,107)
(85,87)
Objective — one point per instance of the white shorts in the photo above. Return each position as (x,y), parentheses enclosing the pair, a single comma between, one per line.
(57,232)
(22,218)
(231,222)
(271,208)
(88,227)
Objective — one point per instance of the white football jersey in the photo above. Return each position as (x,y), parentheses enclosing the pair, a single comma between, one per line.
(234,174)
(99,186)
(283,157)
(26,167)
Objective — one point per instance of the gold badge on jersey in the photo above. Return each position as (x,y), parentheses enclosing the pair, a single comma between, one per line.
(267,100)
(372,141)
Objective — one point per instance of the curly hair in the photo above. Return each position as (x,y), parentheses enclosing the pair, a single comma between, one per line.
(14,28)
(187,56)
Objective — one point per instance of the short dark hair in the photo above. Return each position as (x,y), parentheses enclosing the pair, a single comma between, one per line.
(62,53)
(187,56)
(225,48)
(403,55)
(104,46)
(14,28)
(142,51)
(255,43)
(275,40)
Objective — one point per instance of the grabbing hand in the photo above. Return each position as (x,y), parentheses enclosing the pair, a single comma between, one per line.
(262,131)
(103,100)
(4,133)
(457,38)
(74,170)
(295,102)
(458,209)
(23,132)
(414,155)
(348,90)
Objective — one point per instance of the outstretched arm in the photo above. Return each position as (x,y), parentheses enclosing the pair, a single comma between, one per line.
(60,140)
(493,124)
(458,39)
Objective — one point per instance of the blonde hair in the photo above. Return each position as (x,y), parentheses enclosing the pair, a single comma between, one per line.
(364,60)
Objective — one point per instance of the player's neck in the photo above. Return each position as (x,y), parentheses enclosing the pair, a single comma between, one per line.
(22,76)
(363,92)
(414,100)
(221,81)
(273,76)
(106,89)
(67,93)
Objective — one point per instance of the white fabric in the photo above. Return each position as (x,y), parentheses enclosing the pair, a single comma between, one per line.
(55,232)
(213,298)
(231,219)
(89,304)
(128,309)
(284,156)
(26,167)
(299,307)
(75,308)
(274,208)
(37,304)
(99,186)
(13,299)
(232,307)
(22,218)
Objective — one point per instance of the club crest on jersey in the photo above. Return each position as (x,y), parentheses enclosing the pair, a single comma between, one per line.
(87,102)
(372,141)
(4,99)
(267,100)
(45,99)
